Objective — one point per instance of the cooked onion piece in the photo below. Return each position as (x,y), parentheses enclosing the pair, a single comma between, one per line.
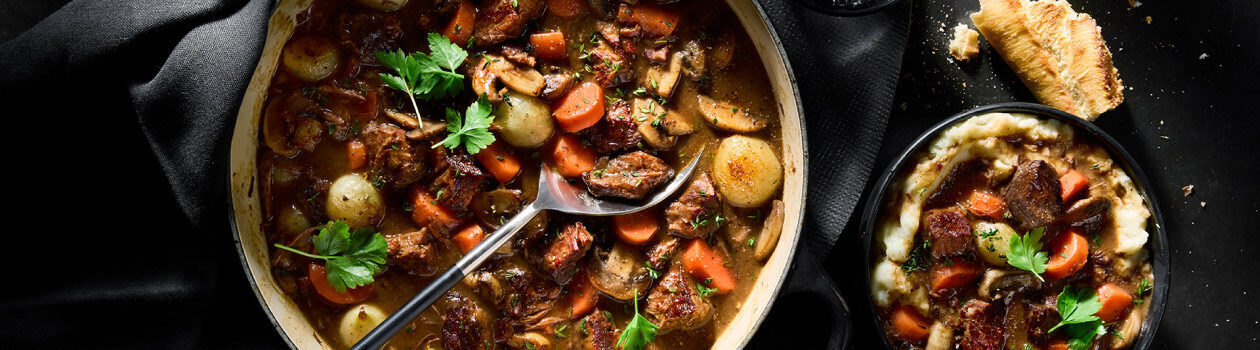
(310,58)
(354,200)
(770,231)
(358,321)
(746,171)
(291,220)
(993,241)
(524,121)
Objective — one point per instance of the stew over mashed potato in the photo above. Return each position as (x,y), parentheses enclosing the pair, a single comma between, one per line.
(1010,232)
(399,134)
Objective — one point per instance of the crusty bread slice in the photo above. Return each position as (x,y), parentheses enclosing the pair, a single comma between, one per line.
(1058,53)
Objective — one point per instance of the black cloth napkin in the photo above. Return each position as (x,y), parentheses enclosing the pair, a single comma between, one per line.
(118,116)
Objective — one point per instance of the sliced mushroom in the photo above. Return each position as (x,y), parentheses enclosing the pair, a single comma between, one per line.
(286,133)
(487,285)
(770,231)
(661,79)
(997,281)
(728,117)
(404,119)
(694,56)
(619,273)
(485,74)
(1089,212)
(429,131)
(722,51)
(523,80)
(535,340)
(384,5)
(495,207)
(651,117)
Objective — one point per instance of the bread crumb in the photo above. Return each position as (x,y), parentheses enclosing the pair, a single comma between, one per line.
(1148,19)
(966,43)
(1204,56)
(1202,204)
(1185,191)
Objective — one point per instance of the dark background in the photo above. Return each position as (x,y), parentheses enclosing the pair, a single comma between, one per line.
(1188,119)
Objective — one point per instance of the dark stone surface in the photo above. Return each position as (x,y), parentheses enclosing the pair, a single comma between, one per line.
(1188,118)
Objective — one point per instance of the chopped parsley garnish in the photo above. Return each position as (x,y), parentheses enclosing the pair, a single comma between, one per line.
(987,233)
(652,272)
(1143,287)
(638,332)
(705,291)
(351,259)
(1025,252)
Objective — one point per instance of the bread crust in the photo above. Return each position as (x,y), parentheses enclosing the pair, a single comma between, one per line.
(1058,53)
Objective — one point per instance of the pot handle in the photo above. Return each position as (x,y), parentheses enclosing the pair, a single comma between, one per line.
(809,277)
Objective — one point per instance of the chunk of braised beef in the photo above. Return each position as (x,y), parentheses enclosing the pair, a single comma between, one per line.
(616,131)
(466,325)
(529,297)
(610,65)
(599,332)
(695,213)
(1039,321)
(499,20)
(560,258)
(657,53)
(950,234)
(284,260)
(982,326)
(631,175)
(675,304)
(621,38)
(1033,194)
(660,253)
(391,158)
(413,251)
(517,55)
(459,179)
(367,33)
(958,184)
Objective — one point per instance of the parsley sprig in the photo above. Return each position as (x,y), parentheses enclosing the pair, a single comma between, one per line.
(472,130)
(430,75)
(638,332)
(351,259)
(1077,308)
(1025,252)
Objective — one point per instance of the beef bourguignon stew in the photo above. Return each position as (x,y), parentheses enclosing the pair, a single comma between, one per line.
(401,133)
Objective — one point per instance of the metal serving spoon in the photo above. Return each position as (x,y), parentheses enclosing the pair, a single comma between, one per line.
(554,193)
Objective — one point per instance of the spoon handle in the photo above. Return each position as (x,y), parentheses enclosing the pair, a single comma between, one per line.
(444,282)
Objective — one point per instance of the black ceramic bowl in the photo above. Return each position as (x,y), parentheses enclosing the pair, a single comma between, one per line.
(1157,243)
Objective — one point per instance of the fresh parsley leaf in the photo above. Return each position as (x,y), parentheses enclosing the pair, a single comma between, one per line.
(1076,306)
(470,130)
(1025,252)
(351,259)
(638,332)
(705,291)
(428,76)
(1081,335)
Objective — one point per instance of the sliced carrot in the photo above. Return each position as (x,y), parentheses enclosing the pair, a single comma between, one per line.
(706,265)
(426,211)
(1068,254)
(582,296)
(549,45)
(570,158)
(501,163)
(582,107)
(468,237)
(654,19)
(1115,300)
(986,204)
(637,228)
(356,155)
(1073,183)
(319,280)
(957,275)
(460,28)
(566,8)
(908,324)
(1057,345)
